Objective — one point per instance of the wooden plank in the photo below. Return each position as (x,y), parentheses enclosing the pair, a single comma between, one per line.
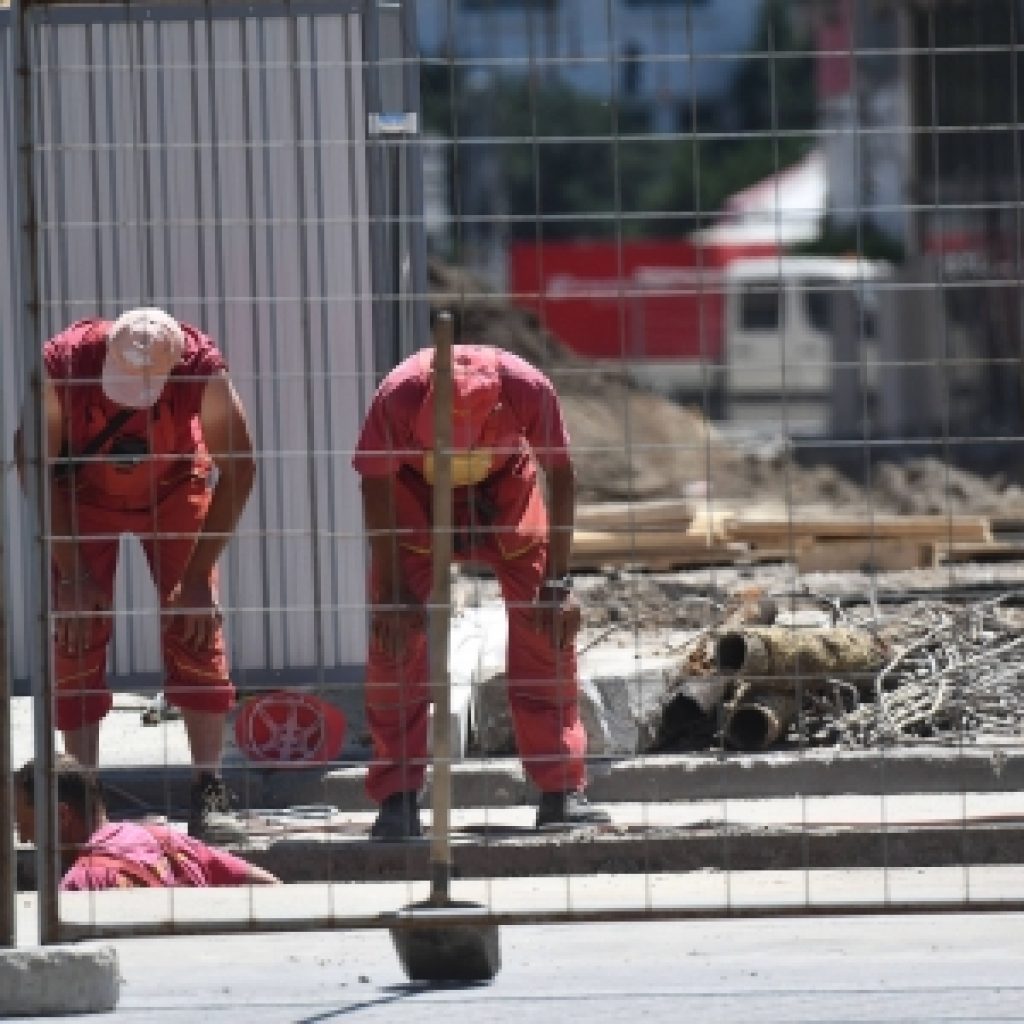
(866,555)
(662,541)
(656,549)
(962,529)
(997,551)
(645,516)
(659,562)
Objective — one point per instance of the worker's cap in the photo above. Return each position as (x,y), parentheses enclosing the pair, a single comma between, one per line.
(290,727)
(143,347)
(476,393)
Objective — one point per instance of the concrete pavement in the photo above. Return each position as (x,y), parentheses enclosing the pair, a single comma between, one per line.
(909,968)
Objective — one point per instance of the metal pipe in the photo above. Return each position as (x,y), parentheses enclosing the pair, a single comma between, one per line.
(8,879)
(758,717)
(799,654)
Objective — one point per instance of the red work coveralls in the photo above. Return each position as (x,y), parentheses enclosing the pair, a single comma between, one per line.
(500,520)
(161,496)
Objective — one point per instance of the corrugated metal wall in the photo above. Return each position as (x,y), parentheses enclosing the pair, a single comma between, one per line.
(214,163)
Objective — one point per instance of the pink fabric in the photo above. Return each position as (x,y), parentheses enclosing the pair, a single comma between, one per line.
(170,856)
(389,438)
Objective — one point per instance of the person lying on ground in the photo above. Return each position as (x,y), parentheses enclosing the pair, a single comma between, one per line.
(97,853)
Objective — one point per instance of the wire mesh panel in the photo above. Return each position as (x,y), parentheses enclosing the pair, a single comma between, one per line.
(762,262)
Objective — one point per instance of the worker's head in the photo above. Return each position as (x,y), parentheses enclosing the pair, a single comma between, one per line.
(80,805)
(476,393)
(143,347)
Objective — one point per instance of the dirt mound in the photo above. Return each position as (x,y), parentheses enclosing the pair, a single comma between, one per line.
(631,444)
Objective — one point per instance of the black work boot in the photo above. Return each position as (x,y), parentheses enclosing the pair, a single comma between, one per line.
(567,808)
(398,819)
(211,817)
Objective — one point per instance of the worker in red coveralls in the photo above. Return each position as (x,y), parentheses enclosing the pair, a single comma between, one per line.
(138,413)
(97,853)
(506,421)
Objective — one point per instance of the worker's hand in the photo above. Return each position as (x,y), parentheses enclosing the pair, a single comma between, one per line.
(195,611)
(556,613)
(394,624)
(77,603)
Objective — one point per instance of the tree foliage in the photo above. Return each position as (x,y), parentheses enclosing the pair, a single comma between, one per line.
(585,167)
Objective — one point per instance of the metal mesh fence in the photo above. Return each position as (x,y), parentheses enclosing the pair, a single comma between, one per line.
(768,255)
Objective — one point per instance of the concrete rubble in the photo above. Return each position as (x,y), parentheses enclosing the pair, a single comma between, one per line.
(58,980)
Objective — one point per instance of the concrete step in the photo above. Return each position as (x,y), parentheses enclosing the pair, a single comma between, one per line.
(652,779)
(322,843)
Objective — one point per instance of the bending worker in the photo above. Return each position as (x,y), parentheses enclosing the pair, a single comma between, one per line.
(137,415)
(507,421)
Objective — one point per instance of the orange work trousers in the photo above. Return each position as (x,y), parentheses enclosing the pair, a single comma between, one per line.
(194,680)
(543,687)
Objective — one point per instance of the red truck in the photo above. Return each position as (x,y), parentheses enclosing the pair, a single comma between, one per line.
(738,329)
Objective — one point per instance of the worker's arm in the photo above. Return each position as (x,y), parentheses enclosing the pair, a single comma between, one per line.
(257,876)
(395,611)
(76,595)
(557,611)
(562,516)
(227,438)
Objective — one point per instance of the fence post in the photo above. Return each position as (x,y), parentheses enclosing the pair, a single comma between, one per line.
(28,321)
(8,871)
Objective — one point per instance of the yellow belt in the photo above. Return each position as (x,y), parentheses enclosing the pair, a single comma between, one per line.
(468,468)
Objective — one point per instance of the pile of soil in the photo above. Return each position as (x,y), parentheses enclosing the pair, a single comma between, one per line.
(632,444)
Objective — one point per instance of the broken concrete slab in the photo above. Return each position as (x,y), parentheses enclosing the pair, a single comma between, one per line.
(58,980)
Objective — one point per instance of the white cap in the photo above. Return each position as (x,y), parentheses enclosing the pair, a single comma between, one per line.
(143,347)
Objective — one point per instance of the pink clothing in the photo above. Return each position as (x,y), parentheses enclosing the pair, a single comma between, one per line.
(527,404)
(124,855)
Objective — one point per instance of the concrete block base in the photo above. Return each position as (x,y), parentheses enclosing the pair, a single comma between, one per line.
(58,980)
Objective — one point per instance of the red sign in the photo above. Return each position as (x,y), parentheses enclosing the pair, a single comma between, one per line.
(635,301)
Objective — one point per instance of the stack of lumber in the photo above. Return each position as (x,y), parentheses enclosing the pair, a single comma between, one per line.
(873,542)
(652,535)
(667,535)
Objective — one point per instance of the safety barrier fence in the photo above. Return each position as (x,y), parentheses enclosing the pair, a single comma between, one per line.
(796,542)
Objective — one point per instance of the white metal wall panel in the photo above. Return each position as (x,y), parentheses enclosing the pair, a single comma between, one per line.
(217,167)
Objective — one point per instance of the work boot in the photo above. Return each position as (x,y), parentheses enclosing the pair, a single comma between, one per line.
(211,817)
(568,808)
(398,819)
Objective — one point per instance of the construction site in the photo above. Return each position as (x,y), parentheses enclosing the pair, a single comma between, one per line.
(794,406)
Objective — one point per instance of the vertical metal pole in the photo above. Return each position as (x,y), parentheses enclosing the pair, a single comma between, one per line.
(29,328)
(8,877)
(440,613)
(417,312)
(396,181)
(302,218)
(8,869)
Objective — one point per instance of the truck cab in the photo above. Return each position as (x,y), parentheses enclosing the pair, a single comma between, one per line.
(792,327)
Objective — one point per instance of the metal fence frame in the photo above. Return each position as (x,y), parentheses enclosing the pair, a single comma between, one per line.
(397,282)
(399,287)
